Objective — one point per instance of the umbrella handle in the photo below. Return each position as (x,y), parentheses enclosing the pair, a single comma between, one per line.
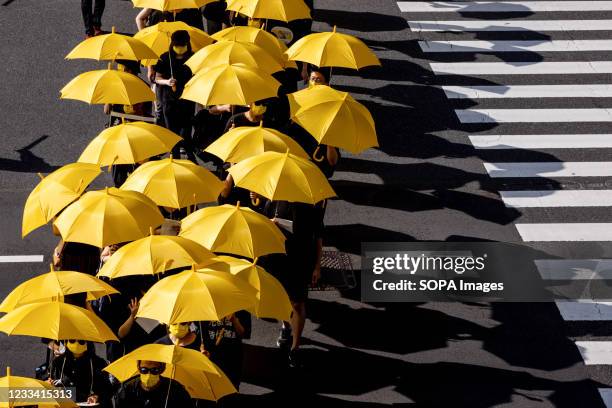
(169,386)
(255,201)
(318,159)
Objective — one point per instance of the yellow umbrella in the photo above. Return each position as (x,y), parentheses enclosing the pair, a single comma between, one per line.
(154,254)
(108,86)
(273,300)
(194,296)
(201,377)
(233,52)
(54,192)
(333,118)
(57,321)
(282,10)
(55,285)
(243,142)
(282,177)
(233,230)
(112,47)
(157,37)
(107,217)
(170,5)
(256,36)
(129,143)
(332,50)
(230,84)
(13,382)
(174,183)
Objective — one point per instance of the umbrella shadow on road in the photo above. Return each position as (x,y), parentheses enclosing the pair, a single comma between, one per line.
(28,162)
(369,21)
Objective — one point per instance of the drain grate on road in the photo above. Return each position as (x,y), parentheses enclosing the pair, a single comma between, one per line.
(336,272)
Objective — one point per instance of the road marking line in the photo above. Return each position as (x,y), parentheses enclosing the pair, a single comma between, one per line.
(501,6)
(522,68)
(574,269)
(511,25)
(606,396)
(557,198)
(528,91)
(585,311)
(595,352)
(516,46)
(21,258)
(549,169)
(501,142)
(565,232)
(533,115)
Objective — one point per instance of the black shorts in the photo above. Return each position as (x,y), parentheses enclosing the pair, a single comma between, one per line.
(294,277)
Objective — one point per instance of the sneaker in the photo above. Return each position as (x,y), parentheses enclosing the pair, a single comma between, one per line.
(295,359)
(284,338)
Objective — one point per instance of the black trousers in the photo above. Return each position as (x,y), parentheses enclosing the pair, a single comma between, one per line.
(92,14)
(178,115)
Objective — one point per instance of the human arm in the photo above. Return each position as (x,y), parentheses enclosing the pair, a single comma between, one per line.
(126,327)
(332,155)
(141,18)
(159,80)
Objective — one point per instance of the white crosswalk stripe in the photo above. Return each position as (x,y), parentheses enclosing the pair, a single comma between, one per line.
(547,46)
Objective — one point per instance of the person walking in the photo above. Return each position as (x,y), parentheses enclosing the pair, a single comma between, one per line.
(92,16)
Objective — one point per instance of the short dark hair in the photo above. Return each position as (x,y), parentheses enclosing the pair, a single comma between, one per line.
(180,38)
(325,71)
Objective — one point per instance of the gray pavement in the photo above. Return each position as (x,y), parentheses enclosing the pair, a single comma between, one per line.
(426,182)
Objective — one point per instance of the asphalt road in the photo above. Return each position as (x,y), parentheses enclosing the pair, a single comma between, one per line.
(425,182)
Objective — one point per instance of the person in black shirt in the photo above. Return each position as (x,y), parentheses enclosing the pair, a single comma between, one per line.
(252,117)
(180,334)
(81,368)
(171,75)
(150,390)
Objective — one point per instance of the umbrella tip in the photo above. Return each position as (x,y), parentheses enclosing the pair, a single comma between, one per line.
(261,123)
(237,204)
(40,175)
(51,267)
(151,231)
(8,371)
(334,28)
(113,30)
(255,260)
(106,189)
(110,65)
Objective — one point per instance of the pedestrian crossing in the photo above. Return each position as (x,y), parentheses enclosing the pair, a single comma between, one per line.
(527,77)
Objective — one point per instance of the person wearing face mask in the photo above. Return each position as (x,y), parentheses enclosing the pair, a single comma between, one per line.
(150,390)
(171,75)
(252,117)
(81,368)
(180,334)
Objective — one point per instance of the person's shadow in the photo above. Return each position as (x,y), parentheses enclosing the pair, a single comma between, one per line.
(28,162)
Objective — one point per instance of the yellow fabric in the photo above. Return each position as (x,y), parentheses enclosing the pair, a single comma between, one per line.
(154,254)
(333,118)
(76,348)
(170,5)
(256,36)
(233,52)
(200,376)
(235,230)
(55,285)
(230,84)
(282,177)
(107,217)
(283,10)
(178,330)
(108,86)
(149,380)
(55,192)
(129,143)
(174,183)
(193,296)
(15,382)
(112,47)
(157,37)
(246,141)
(57,321)
(332,49)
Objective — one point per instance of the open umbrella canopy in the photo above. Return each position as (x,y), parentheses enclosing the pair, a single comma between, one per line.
(233,229)
(334,118)
(246,141)
(154,254)
(54,285)
(193,296)
(201,377)
(253,35)
(282,10)
(14,382)
(107,217)
(157,37)
(171,5)
(129,143)
(54,192)
(112,47)
(174,183)
(282,177)
(272,298)
(108,86)
(332,50)
(233,52)
(56,320)
(236,84)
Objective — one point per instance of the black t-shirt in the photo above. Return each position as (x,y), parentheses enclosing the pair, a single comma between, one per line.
(77,372)
(180,72)
(132,395)
(191,17)
(239,119)
(310,145)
